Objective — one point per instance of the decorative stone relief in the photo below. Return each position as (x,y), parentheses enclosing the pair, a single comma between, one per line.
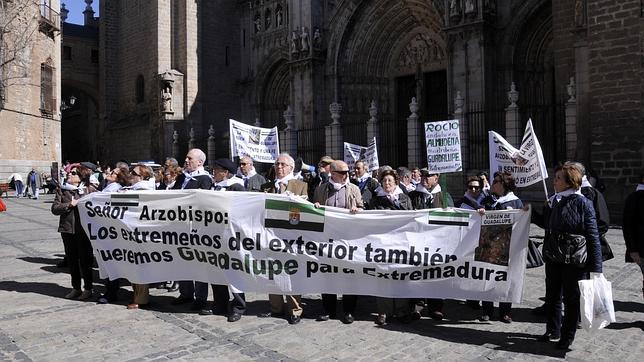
(295,42)
(513,96)
(317,38)
(572,90)
(470,8)
(279,16)
(257,22)
(580,13)
(454,8)
(420,50)
(305,40)
(267,19)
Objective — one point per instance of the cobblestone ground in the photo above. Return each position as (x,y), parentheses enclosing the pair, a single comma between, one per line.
(37,323)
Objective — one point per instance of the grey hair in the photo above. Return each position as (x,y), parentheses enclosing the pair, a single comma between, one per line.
(403,172)
(201,156)
(289,160)
(250,160)
(173,161)
(577,165)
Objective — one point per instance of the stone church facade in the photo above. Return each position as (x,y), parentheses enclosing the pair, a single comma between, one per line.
(171,74)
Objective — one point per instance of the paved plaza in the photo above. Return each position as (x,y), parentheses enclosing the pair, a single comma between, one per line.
(37,323)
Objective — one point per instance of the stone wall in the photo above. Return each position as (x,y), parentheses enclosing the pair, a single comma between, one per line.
(29,139)
(615,77)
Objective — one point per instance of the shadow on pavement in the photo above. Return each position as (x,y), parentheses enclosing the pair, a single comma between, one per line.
(41,260)
(48,289)
(625,325)
(628,306)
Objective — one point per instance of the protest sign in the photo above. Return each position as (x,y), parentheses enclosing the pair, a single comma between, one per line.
(260,144)
(369,155)
(526,163)
(272,243)
(443,141)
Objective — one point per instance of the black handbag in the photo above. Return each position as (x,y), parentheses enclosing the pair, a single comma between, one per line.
(565,248)
(534,259)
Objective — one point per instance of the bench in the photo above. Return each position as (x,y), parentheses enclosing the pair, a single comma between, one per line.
(4,189)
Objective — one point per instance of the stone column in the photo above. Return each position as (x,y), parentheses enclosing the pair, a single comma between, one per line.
(175,145)
(288,135)
(212,155)
(191,141)
(372,123)
(459,114)
(413,144)
(512,125)
(333,133)
(571,121)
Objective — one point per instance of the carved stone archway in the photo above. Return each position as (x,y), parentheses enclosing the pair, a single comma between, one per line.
(275,95)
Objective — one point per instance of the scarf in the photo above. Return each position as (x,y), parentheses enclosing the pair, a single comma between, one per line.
(69,187)
(476,201)
(584,182)
(510,196)
(437,189)
(283,181)
(141,185)
(251,173)
(560,195)
(640,187)
(337,186)
(191,175)
(112,187)
(226,183)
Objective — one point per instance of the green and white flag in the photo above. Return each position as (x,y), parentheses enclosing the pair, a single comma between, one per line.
(449,218)
(293,215)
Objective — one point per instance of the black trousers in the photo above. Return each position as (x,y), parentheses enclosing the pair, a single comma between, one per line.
(80,259)
(222,302)
(504,308)
(562,280)
(349,302)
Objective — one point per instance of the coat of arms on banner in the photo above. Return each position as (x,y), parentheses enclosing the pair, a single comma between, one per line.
(294,216)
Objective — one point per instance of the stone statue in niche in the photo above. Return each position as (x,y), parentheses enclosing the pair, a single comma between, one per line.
(295,39)
(166,99)
(317,38)
(305,40)
(267,19)
(279,16)
(454,8)
(579,13)
(257,21)
(470,7)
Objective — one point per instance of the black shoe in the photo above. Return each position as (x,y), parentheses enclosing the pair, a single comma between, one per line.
(270,315)
(172,286)
(564,344)
(234,317)
(436,315)
(294,319)
(323,318)
(182,300)
(348,319)
(415,315)
(206,311)
(198,305)
(506,319)
(549,337)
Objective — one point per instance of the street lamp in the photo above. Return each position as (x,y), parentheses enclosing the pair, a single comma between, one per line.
(64,104)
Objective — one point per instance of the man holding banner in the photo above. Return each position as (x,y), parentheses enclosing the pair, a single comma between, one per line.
(285,183)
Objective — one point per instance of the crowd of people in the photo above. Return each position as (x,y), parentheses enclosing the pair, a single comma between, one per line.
(333,184)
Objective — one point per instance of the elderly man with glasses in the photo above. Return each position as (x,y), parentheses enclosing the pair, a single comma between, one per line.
(252,180)
(285,183)
(337,191)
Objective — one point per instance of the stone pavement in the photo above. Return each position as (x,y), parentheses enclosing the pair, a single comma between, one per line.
(37,323)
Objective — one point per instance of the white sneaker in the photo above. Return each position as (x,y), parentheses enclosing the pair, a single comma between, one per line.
(75,293)
(85,295)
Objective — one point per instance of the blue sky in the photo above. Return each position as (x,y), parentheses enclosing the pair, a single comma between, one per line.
(76,8)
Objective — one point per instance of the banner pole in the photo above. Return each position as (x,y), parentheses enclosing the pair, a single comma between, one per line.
(443,182)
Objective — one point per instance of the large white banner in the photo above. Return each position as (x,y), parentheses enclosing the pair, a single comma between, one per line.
(260,144)
(369,155)
(526,163)
(443,141)
(279,244)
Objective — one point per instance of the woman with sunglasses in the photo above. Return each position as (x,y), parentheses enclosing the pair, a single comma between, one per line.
(78,249)
(474,194)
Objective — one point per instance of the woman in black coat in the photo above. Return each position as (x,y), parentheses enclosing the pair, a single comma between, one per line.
(569,212)
(390,197)
(78,249)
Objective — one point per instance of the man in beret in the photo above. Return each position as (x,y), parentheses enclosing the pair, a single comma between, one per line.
(223,174)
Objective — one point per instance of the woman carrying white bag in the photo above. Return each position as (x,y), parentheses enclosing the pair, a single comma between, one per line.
(597,310)
(571,249)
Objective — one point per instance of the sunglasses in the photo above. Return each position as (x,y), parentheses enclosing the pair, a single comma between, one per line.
(473,187)
(245,163)
(74,173)
(133,173)
(341,172)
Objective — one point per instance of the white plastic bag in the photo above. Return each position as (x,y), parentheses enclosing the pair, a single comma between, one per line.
(596,302)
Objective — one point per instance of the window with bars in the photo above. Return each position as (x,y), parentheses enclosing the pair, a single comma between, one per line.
(47,97)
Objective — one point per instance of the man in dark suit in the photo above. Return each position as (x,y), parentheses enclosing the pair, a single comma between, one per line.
(285,183)
(252,180)
(193,177)
(225,180)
